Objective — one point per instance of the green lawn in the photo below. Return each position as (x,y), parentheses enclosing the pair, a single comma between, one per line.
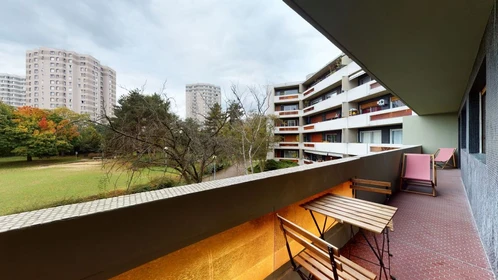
(41,183)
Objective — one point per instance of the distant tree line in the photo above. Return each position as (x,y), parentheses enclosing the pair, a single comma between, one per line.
(34,132)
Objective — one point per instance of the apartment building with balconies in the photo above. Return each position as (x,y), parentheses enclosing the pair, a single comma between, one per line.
(199,98)
(12,89)
(58,78)
(338,111)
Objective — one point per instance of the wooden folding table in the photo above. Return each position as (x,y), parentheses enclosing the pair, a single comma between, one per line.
(367,216)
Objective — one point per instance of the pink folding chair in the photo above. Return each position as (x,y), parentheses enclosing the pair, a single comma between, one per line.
(418,170)
(443,156)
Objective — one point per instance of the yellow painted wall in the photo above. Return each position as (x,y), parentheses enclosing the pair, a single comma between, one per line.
(252,250)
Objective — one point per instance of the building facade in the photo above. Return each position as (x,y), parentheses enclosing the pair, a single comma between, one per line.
(200,98)
(12,90)
(58,78)
(450,80)
(338,111)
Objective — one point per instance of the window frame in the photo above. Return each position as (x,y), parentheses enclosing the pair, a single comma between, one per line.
(391,138)
(370,131)
(482,121)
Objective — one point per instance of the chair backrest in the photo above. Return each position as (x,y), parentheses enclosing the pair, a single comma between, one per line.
(444,154)
(418,167)
(319,247)
(371,186)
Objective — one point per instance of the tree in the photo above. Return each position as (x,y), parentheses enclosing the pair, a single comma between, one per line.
(6,125)
(37,132)
(252,125)
(90,139)
(145,133)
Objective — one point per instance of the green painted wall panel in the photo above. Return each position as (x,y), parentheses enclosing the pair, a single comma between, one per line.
(432,131)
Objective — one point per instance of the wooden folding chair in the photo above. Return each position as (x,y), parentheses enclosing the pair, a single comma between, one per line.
(320,258)
(418,169)
(443,156)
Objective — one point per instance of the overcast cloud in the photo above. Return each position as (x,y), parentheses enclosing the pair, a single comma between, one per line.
(181,41)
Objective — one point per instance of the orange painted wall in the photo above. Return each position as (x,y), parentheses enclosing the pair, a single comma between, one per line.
(317,119)
(252,250)
(316,137)
(291,138)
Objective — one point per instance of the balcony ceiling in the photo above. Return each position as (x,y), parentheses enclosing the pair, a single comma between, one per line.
(422,51)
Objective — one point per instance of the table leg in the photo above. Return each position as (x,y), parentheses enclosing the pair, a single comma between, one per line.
(389,255)
(317,226)
(376,253)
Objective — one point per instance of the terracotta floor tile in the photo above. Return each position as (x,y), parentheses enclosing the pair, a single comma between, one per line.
(433,238)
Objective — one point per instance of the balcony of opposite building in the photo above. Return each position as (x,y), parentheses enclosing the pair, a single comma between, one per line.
(288,110)
(379,118)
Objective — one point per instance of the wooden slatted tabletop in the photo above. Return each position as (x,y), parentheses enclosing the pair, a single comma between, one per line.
(367,215)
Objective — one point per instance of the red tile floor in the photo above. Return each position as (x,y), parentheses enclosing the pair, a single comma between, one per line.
(433,238)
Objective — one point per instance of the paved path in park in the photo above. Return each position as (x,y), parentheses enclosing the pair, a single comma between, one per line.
(232,171)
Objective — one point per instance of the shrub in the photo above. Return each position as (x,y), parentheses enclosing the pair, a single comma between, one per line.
(272,164)
(156,184)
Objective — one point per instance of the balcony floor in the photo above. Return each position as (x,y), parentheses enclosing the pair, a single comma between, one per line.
(434,237)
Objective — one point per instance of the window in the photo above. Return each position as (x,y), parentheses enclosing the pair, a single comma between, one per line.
(396,136)
(363,79)
(289,107)
(290,123)
(290,154)
(285,91)
(396,102)
(483,120)
(463,127)
(316,100)
(476,114)
(333,138)
(373,137)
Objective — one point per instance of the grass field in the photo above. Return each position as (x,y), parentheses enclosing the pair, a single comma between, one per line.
(38,184)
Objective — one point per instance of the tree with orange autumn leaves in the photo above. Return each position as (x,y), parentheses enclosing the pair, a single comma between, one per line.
(40,133)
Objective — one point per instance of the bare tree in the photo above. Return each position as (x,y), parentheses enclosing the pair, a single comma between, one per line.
(145,133)
(255,126)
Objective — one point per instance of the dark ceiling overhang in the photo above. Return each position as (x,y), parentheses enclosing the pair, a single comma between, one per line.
(422,51)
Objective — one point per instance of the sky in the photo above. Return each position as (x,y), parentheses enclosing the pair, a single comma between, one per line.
(150,42)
